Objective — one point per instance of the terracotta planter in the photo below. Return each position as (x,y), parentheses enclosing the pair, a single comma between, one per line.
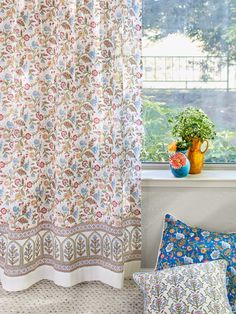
(196,156)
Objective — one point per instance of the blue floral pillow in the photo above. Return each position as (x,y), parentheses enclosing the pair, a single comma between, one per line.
(182,244)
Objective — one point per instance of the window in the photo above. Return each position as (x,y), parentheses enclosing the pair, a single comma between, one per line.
(189,58)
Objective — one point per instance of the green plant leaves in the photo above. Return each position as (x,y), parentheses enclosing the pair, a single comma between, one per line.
(193,123)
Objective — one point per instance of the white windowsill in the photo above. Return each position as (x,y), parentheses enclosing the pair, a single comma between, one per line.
(208,178)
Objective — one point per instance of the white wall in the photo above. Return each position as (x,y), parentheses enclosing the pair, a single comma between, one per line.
(212,208)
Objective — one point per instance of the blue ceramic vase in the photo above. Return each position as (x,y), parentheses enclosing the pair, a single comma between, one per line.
(179,165)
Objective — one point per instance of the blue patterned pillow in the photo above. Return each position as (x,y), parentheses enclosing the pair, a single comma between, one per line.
(182,244)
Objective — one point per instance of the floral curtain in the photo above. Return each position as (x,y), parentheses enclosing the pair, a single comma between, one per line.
(70,133)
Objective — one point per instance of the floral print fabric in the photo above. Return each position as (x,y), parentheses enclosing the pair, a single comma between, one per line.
(196,289)
(70,133)
(182,244)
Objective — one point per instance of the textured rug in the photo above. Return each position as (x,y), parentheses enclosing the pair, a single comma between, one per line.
(86,298)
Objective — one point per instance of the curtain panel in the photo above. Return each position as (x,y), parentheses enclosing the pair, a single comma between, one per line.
(70,138)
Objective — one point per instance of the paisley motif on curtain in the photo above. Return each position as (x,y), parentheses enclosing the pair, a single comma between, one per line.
(70,138)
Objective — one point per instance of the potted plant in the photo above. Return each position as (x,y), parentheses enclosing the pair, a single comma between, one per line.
(193,127)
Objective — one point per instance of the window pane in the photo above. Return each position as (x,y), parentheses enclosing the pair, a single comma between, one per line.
(189,59)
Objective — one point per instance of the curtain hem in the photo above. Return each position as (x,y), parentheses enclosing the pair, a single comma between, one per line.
(90,273)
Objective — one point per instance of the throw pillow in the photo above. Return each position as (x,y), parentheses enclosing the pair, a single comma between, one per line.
(182,244)
(195,289)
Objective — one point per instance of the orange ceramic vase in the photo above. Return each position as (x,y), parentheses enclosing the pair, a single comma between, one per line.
(196,156)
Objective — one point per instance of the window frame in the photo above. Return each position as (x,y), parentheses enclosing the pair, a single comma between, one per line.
(159,165)
(207,166)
